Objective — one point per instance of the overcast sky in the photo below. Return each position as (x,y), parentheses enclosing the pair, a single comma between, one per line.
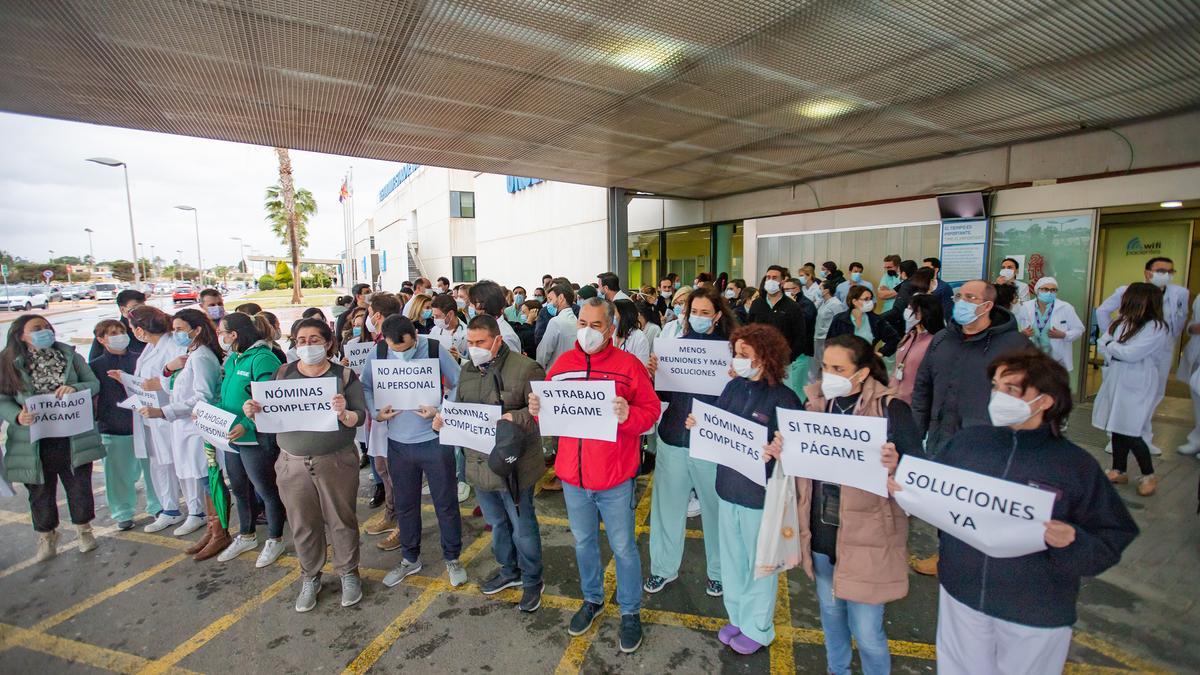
(48,193)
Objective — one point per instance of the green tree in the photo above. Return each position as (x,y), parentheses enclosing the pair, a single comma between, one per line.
(306,207)
(283,275)
(222,273)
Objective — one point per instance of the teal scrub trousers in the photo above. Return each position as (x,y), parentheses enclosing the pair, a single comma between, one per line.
(797,376)
(749,602)
(121,469)
(675,475)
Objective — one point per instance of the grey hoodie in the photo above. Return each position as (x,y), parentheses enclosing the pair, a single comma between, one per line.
(952,388)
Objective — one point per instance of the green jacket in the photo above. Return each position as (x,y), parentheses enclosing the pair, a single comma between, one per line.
(516,372)
(256,364)
(23,461)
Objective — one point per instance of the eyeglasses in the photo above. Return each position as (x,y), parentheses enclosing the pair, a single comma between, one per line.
(969,297)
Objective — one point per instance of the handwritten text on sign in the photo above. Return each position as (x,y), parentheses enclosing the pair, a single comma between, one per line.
(577,409)
(1001,518)
(295,405)
(135,386)
(64,417)
(693,366)
(729,440)
(214,424)
(469,425)
(842,449)
(406,385)
(357,353)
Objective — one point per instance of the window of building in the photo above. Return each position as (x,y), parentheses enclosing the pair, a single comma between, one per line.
(462,204)
(464,268)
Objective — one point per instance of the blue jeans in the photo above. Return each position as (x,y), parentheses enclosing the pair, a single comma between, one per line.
(516,539)
(585,509)
(406,463)
(842,618)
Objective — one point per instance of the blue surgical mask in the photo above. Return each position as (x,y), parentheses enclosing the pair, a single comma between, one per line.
(356,331)
(552,310)
(521,318)
(677,285)
(407,354)
(856,276)
(1047,297)
(426,314)
(471,312)
(181,338)
(965,312)
(42,339)
(518,299)
(700,324)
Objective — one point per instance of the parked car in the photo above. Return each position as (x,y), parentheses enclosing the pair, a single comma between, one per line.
(162,288)
(185,294)
(22,298)
(106,291)
(53,293)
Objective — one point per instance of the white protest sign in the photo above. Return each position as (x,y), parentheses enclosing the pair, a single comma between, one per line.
(357,353)
(577,409)
(214,424)
(729,440)
(135,386)
(469,425)
(295,405)
(842,449)
(1001,518)
(406,385)
(692,366)
(130,403)
(55,417)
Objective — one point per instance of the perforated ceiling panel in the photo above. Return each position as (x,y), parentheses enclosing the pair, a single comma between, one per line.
(694,98)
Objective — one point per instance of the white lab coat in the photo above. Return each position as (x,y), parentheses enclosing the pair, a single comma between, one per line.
(1062,317)
(199,381)
(152,438)
(638,345)
(558,339)
(1190,358)
(1132,381)
(1175,309)
(825,313)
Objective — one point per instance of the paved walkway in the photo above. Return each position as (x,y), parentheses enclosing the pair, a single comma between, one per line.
(137,604)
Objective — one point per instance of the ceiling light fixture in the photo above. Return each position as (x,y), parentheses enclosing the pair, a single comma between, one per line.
(1170,204)
(644,57)
(825,108)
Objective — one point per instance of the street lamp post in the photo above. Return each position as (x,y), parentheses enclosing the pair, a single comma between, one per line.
(178,268)
(108,161)
(241,252)
(153,266)
(199,259)
(91,252)
(142,259)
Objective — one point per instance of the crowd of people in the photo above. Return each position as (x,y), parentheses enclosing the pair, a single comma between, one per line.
(974,376)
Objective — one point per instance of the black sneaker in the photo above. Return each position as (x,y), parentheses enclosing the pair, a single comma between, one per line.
(499,582)
(582,621)
(125,525)
(531,598)
(715,589)
(377,498)
(631,632)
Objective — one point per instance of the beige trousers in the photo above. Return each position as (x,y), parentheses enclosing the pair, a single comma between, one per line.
(319,493)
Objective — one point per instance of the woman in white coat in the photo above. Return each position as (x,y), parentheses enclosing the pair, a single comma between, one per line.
(1132,381)
(1189,374)
(152,437)
(196,378)
(1050,323)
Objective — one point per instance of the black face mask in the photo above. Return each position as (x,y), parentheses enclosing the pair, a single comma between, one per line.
(892,273)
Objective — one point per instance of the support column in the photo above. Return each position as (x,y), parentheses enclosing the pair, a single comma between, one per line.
(618,233)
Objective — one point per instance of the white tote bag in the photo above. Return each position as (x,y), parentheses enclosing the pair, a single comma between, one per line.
(779,534)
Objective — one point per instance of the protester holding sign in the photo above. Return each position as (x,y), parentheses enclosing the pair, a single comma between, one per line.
(34,363)
(599,476)
(706,319)
(196,380)
(1014,615)
(761,362)
(115,424)
(318,470)
(413,451)
(496,375)
(853,542)
(251,466)
(152,437)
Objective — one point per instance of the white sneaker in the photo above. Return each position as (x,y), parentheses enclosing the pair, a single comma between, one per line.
(464,492)
(1188,449)
(163,521)
(425,489)
(190,525)
(1108,448)
(1154,450)
(693,506)
(270,553)
(238,546)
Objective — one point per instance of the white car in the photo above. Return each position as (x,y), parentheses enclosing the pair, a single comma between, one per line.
(20,299)
(106,291)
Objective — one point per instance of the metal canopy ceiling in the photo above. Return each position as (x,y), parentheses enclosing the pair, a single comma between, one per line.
(694,98)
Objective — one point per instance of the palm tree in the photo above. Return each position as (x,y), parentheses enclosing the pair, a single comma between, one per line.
(288,214)
(306,206)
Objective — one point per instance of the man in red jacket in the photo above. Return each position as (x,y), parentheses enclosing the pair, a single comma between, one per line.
(598,476)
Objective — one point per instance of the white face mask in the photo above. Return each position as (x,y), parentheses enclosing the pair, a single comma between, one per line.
(868,305)
(118,342)
(225,344)
(480,356)
(834,385)
(590,339)
(371,327)
(439,324)
(1007,410)
(311,354)
(771,286)
(910,319)
(1007,273)
(744,368)
(1160,279)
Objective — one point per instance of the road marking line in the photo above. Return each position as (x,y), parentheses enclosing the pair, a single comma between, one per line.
(1115,653)
(783,648)
(25,564)
(212,630)
(73,650)
(116,589)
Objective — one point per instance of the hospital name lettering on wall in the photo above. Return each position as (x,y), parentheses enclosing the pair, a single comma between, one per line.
(1137,247)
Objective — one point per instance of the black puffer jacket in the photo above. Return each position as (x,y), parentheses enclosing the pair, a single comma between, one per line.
(952,388)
